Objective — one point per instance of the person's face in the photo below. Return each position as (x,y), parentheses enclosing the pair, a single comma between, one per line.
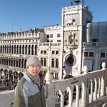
(33,70)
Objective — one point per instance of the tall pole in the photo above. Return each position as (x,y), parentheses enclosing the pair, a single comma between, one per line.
(62,44)
(60,74)
(80,42)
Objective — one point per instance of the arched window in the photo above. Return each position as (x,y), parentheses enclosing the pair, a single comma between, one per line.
(57,63)
(52,63)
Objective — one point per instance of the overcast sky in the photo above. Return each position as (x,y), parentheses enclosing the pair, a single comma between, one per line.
(22,15)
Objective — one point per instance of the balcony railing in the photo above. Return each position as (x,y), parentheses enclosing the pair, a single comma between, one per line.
(86,90)
(94,44)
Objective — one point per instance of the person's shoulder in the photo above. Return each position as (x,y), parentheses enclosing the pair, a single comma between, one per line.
(21,81)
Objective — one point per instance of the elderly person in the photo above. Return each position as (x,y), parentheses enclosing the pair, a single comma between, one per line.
(29,91)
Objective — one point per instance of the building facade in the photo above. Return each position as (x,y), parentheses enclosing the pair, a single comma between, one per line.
(63,50)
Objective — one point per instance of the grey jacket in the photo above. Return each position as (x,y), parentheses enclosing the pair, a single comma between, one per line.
(27,94)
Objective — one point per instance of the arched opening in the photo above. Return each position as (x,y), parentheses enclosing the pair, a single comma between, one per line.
(70,60)
(20,75)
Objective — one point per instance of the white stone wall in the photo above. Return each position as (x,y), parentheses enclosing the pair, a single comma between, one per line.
(6,97)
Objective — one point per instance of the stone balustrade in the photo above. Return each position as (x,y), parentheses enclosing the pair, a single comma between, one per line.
(86,90)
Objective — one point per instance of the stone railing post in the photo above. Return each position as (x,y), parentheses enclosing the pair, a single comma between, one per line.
(85,88)
(49,90)
(103,65)
(62,98)
(85,70)
(48,77)
(103,80)
(83,103)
